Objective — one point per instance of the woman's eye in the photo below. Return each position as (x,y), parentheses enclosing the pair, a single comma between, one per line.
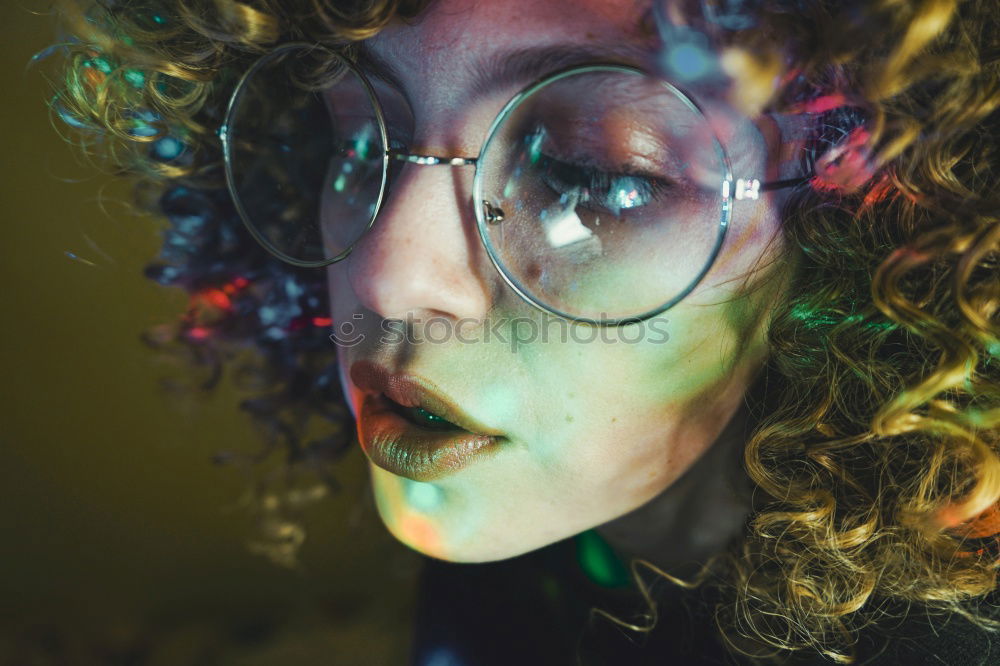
(600,190)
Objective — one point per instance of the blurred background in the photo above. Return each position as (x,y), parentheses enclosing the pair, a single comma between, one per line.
(120,542)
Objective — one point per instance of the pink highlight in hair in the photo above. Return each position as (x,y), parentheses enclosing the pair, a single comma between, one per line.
(821,104)
(878,193)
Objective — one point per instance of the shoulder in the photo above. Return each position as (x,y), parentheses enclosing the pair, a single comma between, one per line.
(519,612)
(921,638)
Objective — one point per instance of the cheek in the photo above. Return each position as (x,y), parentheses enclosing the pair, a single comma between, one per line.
(634,417)
(633,459)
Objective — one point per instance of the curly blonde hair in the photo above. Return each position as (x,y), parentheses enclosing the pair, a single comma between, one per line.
(876,452)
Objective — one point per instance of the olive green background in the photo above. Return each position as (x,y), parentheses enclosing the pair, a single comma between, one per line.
(120,542)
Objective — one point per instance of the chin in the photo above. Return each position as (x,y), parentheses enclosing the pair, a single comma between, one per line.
(397,507)
(420,516)
(427,535)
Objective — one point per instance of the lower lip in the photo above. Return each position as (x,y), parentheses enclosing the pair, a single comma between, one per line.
(405,449)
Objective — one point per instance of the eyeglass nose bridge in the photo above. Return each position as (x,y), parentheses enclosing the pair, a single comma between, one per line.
(431,160)
(491,214)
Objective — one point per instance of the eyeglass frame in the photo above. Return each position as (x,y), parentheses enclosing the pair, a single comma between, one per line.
(485,213)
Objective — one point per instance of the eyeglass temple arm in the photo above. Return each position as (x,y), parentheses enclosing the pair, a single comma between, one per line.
(751,188)
(782,184)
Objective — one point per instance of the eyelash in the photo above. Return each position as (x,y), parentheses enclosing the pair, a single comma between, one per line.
(565,177)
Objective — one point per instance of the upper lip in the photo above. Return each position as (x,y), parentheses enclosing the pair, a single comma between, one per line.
(413,391)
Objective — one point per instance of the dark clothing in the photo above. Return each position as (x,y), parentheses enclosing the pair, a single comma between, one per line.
(534,609)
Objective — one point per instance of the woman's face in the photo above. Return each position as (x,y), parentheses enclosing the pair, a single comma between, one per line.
(584,427)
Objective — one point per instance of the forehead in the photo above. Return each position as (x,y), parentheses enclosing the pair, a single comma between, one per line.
(452,37)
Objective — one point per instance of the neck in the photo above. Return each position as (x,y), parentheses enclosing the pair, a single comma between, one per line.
(697,515)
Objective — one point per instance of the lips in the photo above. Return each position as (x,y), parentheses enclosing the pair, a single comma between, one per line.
(401,446)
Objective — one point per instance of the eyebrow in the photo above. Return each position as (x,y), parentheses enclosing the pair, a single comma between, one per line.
(517,66)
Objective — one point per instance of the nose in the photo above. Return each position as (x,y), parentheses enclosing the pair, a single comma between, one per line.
(423,255)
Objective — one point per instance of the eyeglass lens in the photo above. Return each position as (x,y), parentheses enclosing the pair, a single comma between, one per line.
(609,184)
(307,155)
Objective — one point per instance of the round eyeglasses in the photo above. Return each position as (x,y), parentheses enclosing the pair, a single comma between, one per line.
(601,193)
